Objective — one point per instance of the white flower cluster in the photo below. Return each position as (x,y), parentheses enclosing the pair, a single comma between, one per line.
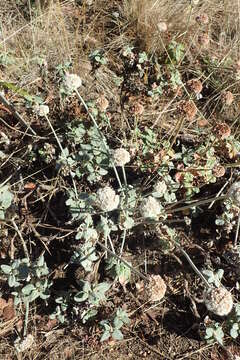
(219,301)
(72,82)
(120,157)
(25,344)
(162,26)
(150,207)
(41,110)
(159,188)
(107,199)
(157,288)
(234,192)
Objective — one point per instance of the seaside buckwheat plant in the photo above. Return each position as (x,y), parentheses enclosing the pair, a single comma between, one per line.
(195,85)
(157,288)
(6,198)
(162,26)
(159,189)
(71,82)
(218,300)
(41,110)
(25,344)
(150,207)
(234,193)
(107,199)
(120,157)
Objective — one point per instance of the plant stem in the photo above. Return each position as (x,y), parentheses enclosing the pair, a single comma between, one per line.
(237,231)
(193,266)
(61,148)
(123,241)
(123,261)
(196,203)
(102,136)
(11,108)
(124,175)
(26,319)
(21,238)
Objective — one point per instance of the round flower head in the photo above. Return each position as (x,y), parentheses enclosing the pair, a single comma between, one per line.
(222,131)
(188,108)
(162,26)
(219,301)
(227,98)
(137,108)
(102,103)
(107,199)
(41,110)
(234,192)
(150,207)
(195,85)
(120,157)
(25,344)
(157,288)
(203,40)
(202,19)
(219,170)
(72,82)
(159,189)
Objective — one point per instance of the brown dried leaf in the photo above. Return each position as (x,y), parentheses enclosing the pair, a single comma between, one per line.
(9,312)
(3,304)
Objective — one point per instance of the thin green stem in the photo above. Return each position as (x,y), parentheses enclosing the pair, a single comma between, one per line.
(124,175)
(193,266)
(123,241)
(196,203)
(54,133)
(237,231)
(61,148)
(102,136)
(124,262)
(26,318)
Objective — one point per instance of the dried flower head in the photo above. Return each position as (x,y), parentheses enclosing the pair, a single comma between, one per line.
(202,19)
(160,188)
(203,40)
(107,199)
(157,288)
(219,301)
(227,98)
(195,85)
(222,131)
(72,82)
(162,26)
(137,108)
(41,110)
(120,157)
(219,171)
(202,122)
(234,192)
(189,108)
(102,103)
(238,64)
(150,207)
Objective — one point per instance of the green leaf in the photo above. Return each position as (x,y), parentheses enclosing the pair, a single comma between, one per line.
(26,290)
(117,334)
(6,269)
(105,336)
(81,296)
(88,314)
(234,331)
